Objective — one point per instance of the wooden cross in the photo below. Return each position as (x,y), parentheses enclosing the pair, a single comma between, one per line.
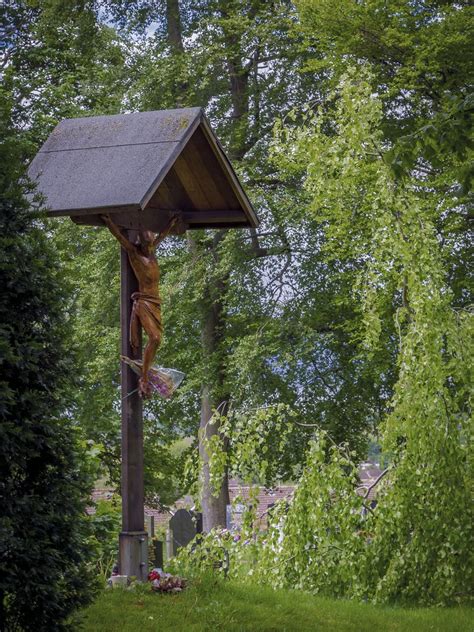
(141,169)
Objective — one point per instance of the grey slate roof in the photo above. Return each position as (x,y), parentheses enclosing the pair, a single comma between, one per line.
(97,163)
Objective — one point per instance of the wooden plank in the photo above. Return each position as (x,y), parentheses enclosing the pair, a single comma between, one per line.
(93,212)
(133,537)
(213,216)
(156,219)
(193,188)
(149,219)
(201,153)
(201,162)
(163,197)
(179,194)
(132,424)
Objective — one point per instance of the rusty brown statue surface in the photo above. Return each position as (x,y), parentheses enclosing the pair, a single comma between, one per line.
(146,310)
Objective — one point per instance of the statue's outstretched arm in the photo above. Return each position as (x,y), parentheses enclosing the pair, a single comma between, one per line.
(116,232)
(164,233)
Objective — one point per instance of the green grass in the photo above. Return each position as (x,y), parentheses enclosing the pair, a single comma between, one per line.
(208,607)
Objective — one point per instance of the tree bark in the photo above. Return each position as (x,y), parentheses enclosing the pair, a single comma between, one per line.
(239,75)
(213,501)
(173,26)
(213,396)
(213,392)
(174,34)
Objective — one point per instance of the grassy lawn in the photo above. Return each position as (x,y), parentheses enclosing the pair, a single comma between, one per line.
(235,607)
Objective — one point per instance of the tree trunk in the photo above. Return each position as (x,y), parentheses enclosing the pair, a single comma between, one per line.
(175,40)
(213,393)
(213,501)
(173,22)
(239,88)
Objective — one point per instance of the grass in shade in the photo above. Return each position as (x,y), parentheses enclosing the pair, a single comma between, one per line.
(234,607)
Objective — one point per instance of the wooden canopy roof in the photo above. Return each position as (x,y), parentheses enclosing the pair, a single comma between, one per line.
(140,168)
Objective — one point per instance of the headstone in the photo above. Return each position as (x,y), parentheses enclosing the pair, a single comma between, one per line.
(158,551)
(169,544)
(197,515)
(119,581)
(150,525)
(234,517)
(183,528)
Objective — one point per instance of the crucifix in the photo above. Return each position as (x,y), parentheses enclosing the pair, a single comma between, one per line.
(146,309)
(145,176)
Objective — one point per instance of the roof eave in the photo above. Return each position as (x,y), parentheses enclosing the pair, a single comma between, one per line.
(201,121)
(229,170)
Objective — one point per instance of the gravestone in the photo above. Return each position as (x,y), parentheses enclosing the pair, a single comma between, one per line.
(184,526)
(234,517)
(158,551)
(150,525)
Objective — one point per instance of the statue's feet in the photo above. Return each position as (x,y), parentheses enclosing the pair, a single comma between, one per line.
(144,389)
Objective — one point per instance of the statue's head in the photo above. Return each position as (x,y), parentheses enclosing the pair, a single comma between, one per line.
(146,239)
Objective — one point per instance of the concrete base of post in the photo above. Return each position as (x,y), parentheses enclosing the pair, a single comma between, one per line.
(133,554)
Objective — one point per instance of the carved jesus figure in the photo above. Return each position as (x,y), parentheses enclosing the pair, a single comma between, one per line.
(146,310)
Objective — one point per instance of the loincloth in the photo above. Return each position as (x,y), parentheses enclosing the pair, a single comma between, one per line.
(150,305)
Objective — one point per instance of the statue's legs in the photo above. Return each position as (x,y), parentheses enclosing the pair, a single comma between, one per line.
(152,326)
(134,328)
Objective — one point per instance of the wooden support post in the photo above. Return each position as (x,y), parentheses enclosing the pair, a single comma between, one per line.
(133,544)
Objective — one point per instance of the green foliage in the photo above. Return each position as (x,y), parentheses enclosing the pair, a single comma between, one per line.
(46,469)
(422,542)
(105,529)
(256,446)
(261,352)
(316,541)
(317,544)
(270,345)
(59,61)
(421,59)
(385,235)
(207,555)
(220,553)
(349,309)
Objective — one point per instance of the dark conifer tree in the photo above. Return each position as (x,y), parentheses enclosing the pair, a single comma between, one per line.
(44,477)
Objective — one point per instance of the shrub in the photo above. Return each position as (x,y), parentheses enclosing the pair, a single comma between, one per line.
(45,473)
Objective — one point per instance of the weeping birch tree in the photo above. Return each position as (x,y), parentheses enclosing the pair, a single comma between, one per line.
(386,232)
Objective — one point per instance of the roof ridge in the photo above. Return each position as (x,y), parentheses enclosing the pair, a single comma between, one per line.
(153,142)
(108,116)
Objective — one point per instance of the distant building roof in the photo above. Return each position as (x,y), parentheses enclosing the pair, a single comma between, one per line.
(266,498)
(369,474)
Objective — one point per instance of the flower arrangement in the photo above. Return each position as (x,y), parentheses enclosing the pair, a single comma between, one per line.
(165,582)
(163,381)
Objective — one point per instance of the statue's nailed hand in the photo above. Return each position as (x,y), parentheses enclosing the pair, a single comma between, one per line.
(176,221)
(174,218)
